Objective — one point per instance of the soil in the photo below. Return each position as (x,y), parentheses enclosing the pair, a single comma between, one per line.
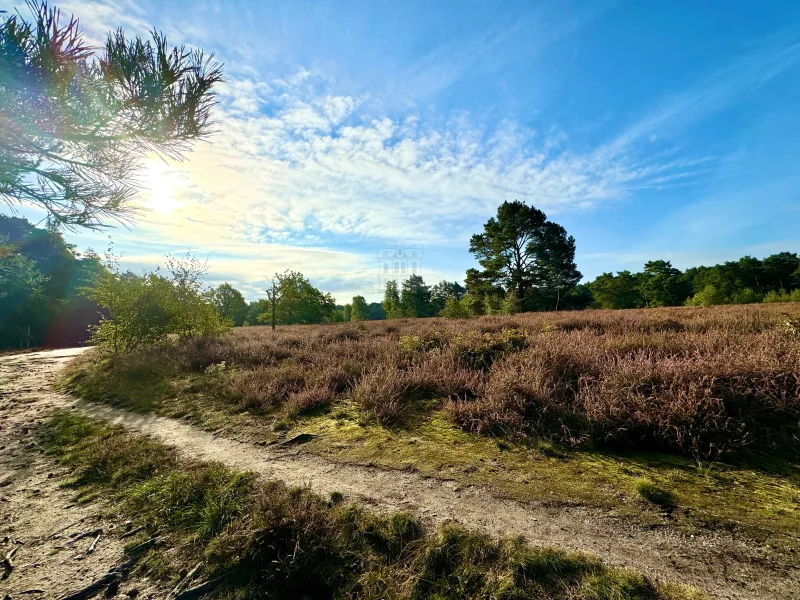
(52,533)
(719,563)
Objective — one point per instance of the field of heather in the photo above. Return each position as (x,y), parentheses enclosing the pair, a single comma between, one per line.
(701,382)
(680,426)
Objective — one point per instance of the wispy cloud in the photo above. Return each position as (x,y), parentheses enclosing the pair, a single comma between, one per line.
(720,89)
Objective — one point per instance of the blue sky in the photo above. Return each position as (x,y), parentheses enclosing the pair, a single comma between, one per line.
(648,129)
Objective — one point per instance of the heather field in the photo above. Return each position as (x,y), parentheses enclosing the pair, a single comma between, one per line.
(688,417)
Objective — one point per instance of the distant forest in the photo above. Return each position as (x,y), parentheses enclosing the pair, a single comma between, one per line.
(45,291)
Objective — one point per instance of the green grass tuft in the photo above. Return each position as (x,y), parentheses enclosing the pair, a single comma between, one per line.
(655,494)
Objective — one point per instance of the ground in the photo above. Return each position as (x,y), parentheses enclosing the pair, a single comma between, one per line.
(40,518)
(720,563)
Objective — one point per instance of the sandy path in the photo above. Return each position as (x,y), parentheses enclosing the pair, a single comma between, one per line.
(38,517)
(721,565)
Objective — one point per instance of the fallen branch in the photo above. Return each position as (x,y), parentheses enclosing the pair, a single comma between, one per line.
(65,527)
(94,543)
(8,565)
(145,545)
(199,590)
(184,582)
(115,575)
(132,532)
(86,534)
(95,588)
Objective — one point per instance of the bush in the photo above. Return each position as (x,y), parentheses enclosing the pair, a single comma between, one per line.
(150,309)
(708,296)
(782,296)
(746,296)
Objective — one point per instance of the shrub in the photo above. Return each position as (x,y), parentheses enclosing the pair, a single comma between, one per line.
(746,296)
(708,296)
(782,296)
(148,310)
(478,351)
(454,309)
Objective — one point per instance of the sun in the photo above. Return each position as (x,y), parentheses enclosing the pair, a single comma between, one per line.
(160,187)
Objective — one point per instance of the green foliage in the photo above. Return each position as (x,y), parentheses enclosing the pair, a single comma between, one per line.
(708,296)
(745,281)
(359,310)
(521,250)
(782,296)
(299,302)
(510,304)
(443,291)
(75,124)
(40,275)
(746,296)
(264,538)
(654,494)
(415,298)
(662,285)
(617,291)
(454,308)
(230,304)
(150,309)
(391,301)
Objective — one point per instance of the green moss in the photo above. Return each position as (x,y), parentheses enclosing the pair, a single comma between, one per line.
(755,501)
(260,537)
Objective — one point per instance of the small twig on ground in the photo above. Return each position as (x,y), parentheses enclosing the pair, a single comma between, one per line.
(115,575)
(184,582)
(86,534)
(94,543)
(131,533)
(65,527)
(94,588)
(7,563)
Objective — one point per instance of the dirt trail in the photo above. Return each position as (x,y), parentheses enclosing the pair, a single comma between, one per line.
(38,518)
(721,565)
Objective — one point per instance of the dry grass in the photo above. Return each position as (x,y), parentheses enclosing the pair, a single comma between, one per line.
(704,382)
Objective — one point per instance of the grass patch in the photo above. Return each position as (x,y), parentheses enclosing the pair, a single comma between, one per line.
(262,538)
(655,495)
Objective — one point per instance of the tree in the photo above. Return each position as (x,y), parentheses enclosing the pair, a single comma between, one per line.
(255,310)
(617,291)
(230,304)
(662,284)
(444,290)
(151,309)
(779,270)
(415,298)
(708,296)
(359,310)
(74,126)
(521,250)
(376,312)
(454,308)
(299,302)
(391,301)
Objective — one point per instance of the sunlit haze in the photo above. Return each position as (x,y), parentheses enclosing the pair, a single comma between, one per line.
(648,129)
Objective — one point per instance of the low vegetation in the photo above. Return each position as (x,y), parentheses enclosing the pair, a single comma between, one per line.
(255,537)
(704,383)
(568,407)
